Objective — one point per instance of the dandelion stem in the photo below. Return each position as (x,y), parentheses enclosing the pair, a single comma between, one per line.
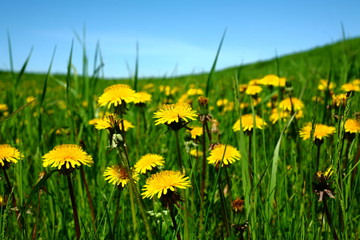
(172,215)
(250,159)
(318,144)
(33,235)
(328,217)
(92,209)
(180,165)
(203,176)
(223,207)
(133,213)
(74,208)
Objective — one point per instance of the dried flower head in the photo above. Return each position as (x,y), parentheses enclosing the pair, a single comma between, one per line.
(322,184)
(238,205)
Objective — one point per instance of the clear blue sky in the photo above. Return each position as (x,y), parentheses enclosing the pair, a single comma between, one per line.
(174,37)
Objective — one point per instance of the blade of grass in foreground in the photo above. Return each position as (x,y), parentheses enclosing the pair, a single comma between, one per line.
(212,71)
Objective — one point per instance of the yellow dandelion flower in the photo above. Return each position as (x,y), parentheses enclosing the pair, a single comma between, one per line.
(3,107)
(184,99)
(195,153)
(162,182)
(109,120)
(320,131)
(289,103)
(221,102)
(277,114)
(339,99)
(174,113)
(273,80)
(117,95)
(148,162)
(196,132)
(253,90)
(148,86)
(30,99)
(195,91)
(93,121)
(67,155)
(118,175)
(352,126)
(142,97)
(8,154)
(350,87)
(356,82)
(247,122)
(323,85)
(254,82)
(224,154)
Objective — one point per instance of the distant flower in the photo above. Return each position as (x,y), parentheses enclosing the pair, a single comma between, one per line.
(291,103)
(242,87)
(110,121)
(174,115)
(118,175)
(142,98)
(8,154)
(195,153)
(162,182)
(238,205)
(339,99)
(195,91)
(225,105)
(148,162)
(350,87)
(322,184)
(196,132)
(324,86)
(247,122)
(320,131)
(30,99)
(67,156)
(277,114)
(352,126)
(356,82)
(224,155)
(117,94)
(273,80)
(3,107)
(254,82)
(253,90)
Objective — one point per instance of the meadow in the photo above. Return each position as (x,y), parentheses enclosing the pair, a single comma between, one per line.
(268,150)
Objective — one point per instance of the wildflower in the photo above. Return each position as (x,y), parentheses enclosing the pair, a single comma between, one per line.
(148,162)
(350,87)
(290,104)
(339,99)
(242,87)
(8,154)
(324,85)
(247,122)
(110,121)
(3,107)
(225,105)
(162,182)
(224,154)
(175,116)
(195,91)
(117,94)
(273,80)
(238,205)
(195,153)
(30,99)
(320,131)
(322,185)
(196,132)
(253,90)
(142,98)
(117,175)
(67,156)
(352,126)
(277,114)
(254,82)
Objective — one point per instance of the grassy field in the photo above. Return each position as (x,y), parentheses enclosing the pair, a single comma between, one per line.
(281,187)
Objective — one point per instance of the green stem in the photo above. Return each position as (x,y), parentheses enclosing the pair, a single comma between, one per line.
(223,208)
(328,217)
(178,149)
(74,208)
(172,215)
(133,213)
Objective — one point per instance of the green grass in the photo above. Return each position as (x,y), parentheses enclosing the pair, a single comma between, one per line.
(279,199)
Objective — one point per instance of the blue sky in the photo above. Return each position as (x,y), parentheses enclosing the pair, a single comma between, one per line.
(174,37)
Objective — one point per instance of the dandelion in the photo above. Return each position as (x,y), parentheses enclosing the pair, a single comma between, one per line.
(350,87)
(3,107)
(195,153)
(142,98)
(148,162)
(118,175)
(339,99)
(160,183)
(110,121)
(196,132)
(175,115)
(253,90)
(195,91)
(238,205)
(352,126)
(324,85)
(67,156)
(8,155)
(248,123)
(242,87)
(321,131)
(289,104)
(277,114)
(273,80)
(254,82)
(224,154)
(117,95)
